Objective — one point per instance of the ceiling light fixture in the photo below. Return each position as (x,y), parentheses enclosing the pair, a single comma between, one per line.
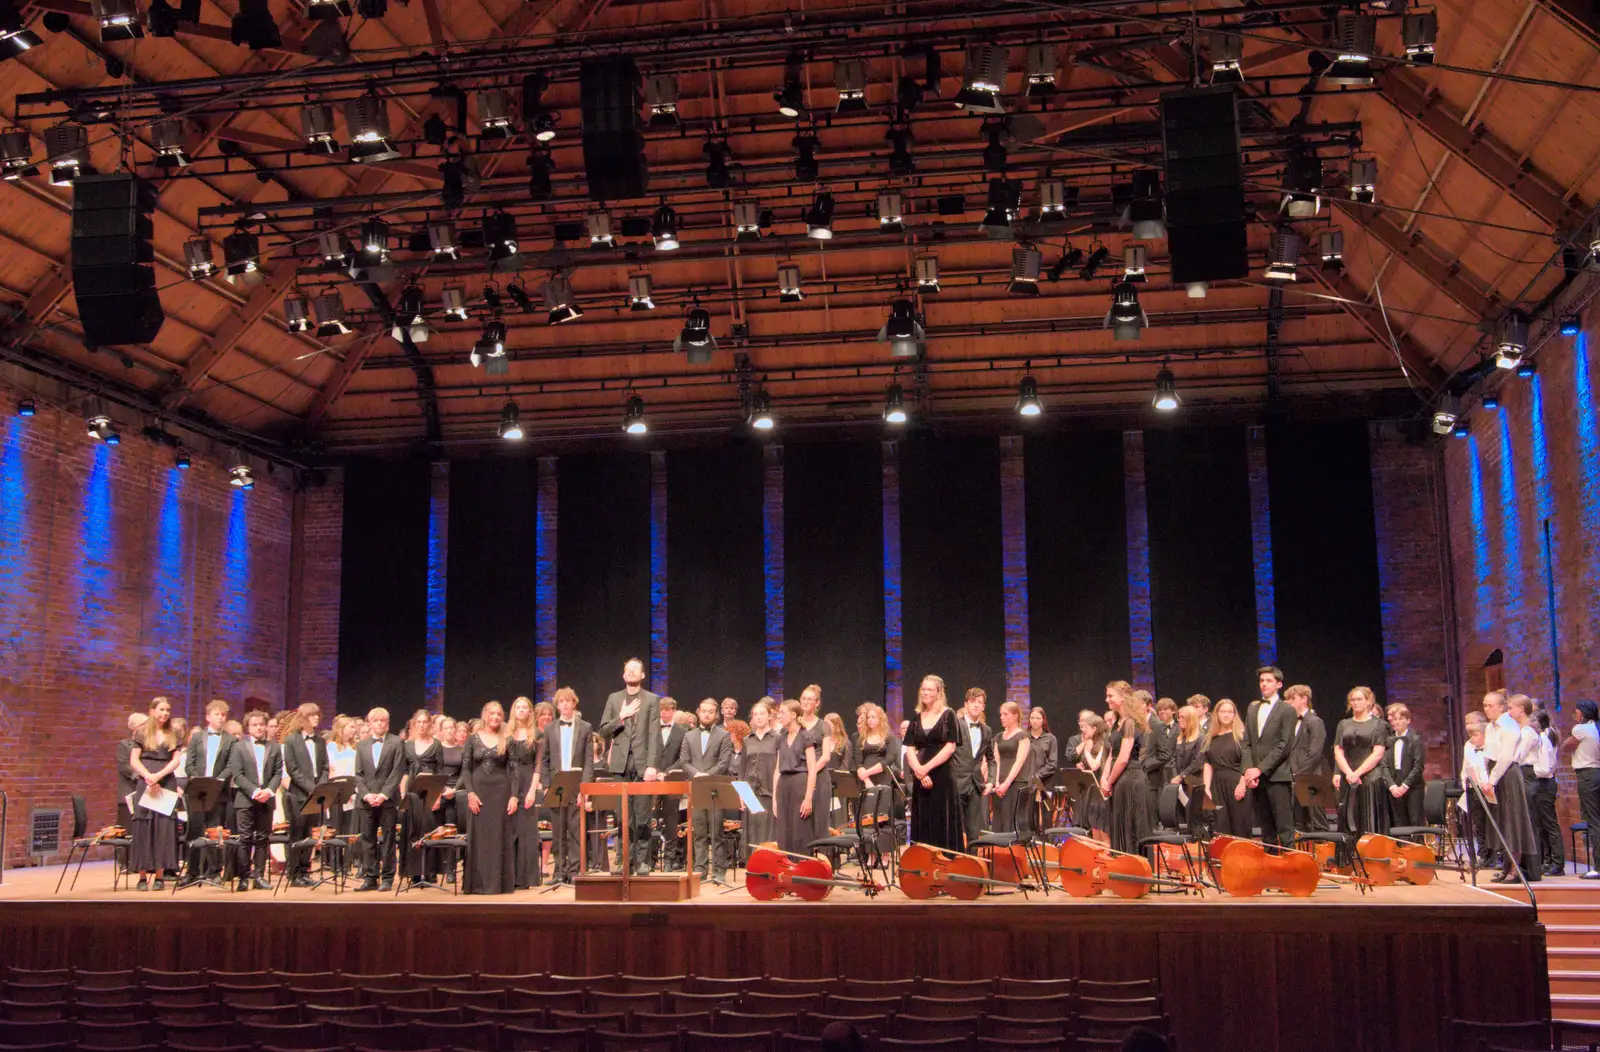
(1126,318)
(1511,344)
(746,221)
(789,290)
(296,313)
(661,95)
(1419,29)
(197,257)
(600,232)
(1133,264)
(16,155)
(640,292)
(927,268)
(559,301)
(494,114)
(805,158)
(633,420)
(1331,250)
(664,229)
(1363,179)
(67,146)
(1446,413)
(1283,255)
(409,319)
(984,80)
(891,212)
(1026,261)
(241,477)
(491,343)
(368,119)
(761,417)
(1147,212)
(1354,41)
(819,217)
(850,78)
(1302,181)
(328,312)
(695,339)
(442,241)
(894,406)
(241,257)
(1166,397)
(510,422)
(454,302)
(1039,63)
(790,96)
(903,330)
(1227,51)
(1028,403)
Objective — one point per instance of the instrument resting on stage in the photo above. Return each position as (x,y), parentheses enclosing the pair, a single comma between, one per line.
(771,874)
(1388,860)
(1086,867)
(1247,869)
(925,871)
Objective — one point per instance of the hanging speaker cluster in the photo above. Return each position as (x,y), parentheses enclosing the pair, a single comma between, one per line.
(112,278)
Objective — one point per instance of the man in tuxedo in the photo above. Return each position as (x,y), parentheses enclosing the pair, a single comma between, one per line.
(305,759)
(1202,705)
(969,764)
(210,755)
(668,738)
(380,761)
(631,716)
(127,781)
(707,749)
(1403,762)
(1306,754)
(256,767)
(729,711)
(1268,734)
(566,748)
(1156,755)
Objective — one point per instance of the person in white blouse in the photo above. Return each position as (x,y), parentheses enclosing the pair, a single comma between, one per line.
(1545,823)
(1506,746)
(1585,743)
(1474,776)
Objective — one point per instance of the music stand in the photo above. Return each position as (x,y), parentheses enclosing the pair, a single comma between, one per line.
(600,803)
(1074,783)
(562,793)
(1313,788)
(713,793)
(200,795)
(430,787)
(326,800)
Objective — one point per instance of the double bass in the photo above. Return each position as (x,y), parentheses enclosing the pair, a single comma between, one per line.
(925,871)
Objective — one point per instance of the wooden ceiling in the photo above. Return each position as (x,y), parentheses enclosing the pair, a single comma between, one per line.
(1480,179)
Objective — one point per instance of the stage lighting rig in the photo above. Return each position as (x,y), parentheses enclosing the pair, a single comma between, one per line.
(1354,40)
(790,96)
(67,146)
(805,159)
(15,36)
(368,119)
(16,155)
(327,310)
(901,163)
(1166,396)
(903,330)
(255,27)
(118,19)
(984,80)
(1126,318)
(696,338)
(1040,65)
(316,128)
(1028,403)
(661,96)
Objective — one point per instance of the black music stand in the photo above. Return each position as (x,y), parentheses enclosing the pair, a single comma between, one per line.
(1074,783)
(200,795)
(562,793)
(430,787)
(1314,789)
(600,805)
(326,801)
(715,794)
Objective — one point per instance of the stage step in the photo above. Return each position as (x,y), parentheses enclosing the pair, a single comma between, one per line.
(1563,981)
(1569,936)
(1575,1006)
(1564,892)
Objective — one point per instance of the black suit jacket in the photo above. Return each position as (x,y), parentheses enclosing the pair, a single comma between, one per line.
(664,755)
(1306,754)
(243,770)
(717,757)
(1269,749)
(385,776)
(127,781)
(196,763)
(1156,755)
(1410,770)
(632,744)
(963,765)
(298,752)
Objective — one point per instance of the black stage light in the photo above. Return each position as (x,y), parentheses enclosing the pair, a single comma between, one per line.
(255,27)
(790,97)
(805,160)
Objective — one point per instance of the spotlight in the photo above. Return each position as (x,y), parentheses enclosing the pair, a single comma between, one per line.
(1147,212)
(492,343)
(789,290)
(1571,324)
(1028,403)
(1461,429)
(1420,31)
(519,296)
(491,298)
(984,79)
(316,128)
(927,274)
(791,96)
(500,235)
(328,311)
(891,212)
(901,163)
(1053,200)
(1302,180)
(1040,65)
(1354,39)
(408,317)
(761,412)
(819,217)
(1282,255)
(368,119)
(494,114)
(1227,49)
(1126,317)
(600,235)
(167,138)
(241,257)
(994,154)
(850,78)
(511,422)
(1526,369)
(544,127)
(664,229)
(442,241)
(180,460)
(1196,290)
(375,240)
(1332,250)
(805,158)
(100,427)
(296,316)
(1097,257)
(1166,396)
(747,221)
(1446,413)
(119,19)
(1133,261)
(661,95)
(15,36)
(633,421)
(1363,179)
(716,152)
(67,146)
(27,407)
(16,155)
(1025,263)
(1001,208)
(1491,401)
(330,245)
(241,477)
(559,301)
(540,166)
(541,124)
(197,256)
(894,407)
(903,332)
(696,338)
(454,302)
(639,292)
(1512,343)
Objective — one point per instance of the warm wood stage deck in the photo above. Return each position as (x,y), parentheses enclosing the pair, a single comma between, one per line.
(1339,971)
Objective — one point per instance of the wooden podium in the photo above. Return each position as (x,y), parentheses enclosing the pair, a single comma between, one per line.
(624,886)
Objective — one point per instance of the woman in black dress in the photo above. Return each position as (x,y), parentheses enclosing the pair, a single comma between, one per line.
(1094,810)
(1011,760)
(1358,745)
(817,731)
(1125,783)
(488,776)
(793,781)
(931,737)
(1046,762)
(422,756)
(837,756)
(154,759)
(449,766)
(756,766)
(524,747)
(1188,758)
(877,756)
(1223,772)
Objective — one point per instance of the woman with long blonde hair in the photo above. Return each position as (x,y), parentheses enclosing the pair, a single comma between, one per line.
(1094,810)
(1188,758)
(1222,773)
(1125,784)
(489,778)
(931,737)
(154,758)
(522,732)
(424,754)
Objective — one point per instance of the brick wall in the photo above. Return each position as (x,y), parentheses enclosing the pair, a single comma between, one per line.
(317,566)
(121,578)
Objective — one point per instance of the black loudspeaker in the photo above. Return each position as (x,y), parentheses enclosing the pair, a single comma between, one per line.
(1204,178)
(112,279)
(613,139)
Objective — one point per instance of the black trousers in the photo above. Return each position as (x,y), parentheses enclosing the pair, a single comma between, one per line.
(255,826)
(1310,819)
(973,806)
(709,846)
(1406,810)
(1546,825)
(1589,806)
(1274,807)
(377,835)
(564,841)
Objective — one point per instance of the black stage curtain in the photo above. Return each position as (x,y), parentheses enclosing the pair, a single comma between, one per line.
(1077,571)
(950,553)
(1202,575)
(602,572)
(1325,561)
(833,572)
(716,596)
(491,598)
(383,588)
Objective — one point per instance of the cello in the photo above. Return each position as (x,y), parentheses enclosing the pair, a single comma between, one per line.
(1088,867)
(1388,860)
(771,874)
(925,871)
(1247,869)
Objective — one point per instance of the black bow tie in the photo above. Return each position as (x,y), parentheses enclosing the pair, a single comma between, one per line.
(566,723)
(213,734)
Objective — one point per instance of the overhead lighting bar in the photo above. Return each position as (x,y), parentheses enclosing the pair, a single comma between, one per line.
(1039,64)
(559,301)
(661,96)
(850,78)
(1126,318)
(927,268)
(328,311)
(1026,261)
(1283,255)
(1354,41)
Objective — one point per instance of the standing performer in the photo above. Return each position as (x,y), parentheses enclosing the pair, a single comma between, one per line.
(127,781)
(1358,748)
(1046,762)
(379,764)
(489,778)
(793,780)
(822,791)
(1188,758)
(210,751)
(523,746)
(566,749)
(1545,821)
(1156,758)
(1585,742)
(1125,783)
(877,752)
(305,761)
(969,767)
(629,723)
(1507,792)
(1093,809)
(424,754)
(154,759)
(932,742)
(1012,758)
(756,767)
(667,810)
(1223,773)
(1268,734)
(1403,767)
(1305,754)
(707,750)
(729,710)
(257,766)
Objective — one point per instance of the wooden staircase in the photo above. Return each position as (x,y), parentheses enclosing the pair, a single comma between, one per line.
(1569,909)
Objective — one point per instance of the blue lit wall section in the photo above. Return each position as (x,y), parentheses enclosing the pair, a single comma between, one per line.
(170,627)
(1588,441)
(544,570)
(1513,560)
(772,564)
(236,611)
(893,674)
(16,599)
(658,573)
(1014,568)
(438,557)
(1482,584)
(1261,546)
(96,570)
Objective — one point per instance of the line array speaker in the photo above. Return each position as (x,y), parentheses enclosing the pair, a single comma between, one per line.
(1204,179)
(613,139)
(112,278)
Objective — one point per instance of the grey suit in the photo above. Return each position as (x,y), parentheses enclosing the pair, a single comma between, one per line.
(715,757)
(633,748)
(1267,749)
(377,823)
(1305,756)
(564,819)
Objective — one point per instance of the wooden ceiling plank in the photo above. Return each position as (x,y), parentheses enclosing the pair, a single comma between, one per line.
(1445,275)
(1412,354)
(227,336)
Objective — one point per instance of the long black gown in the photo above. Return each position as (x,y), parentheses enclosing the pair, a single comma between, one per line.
(1094,810)
(793,832)
(1009,816)
(1130,796)
(1225,754)
(491,846)
(525,823)
(420,818)
(822,795)
(1188,758)
(449,813)
(155,836)
(1363,808)
(935,812)
(755,767)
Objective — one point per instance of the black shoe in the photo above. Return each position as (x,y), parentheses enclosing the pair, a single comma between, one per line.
(300,882)
(387,885)
(368,885)
(261,884)
(1554,870)
(641,871)
(158,884)
(243,885)
(144,884)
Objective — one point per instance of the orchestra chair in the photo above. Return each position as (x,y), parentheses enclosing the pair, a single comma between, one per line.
(1110,1030)
(457,980)
(586,1020)
(1170,813)
(840,1005)
(325,996)
(667,1022)
(379,981)
(422,1015)
(117,1037)
(1577,827)
(532,1018)
(91,980)
(157,978)
(82,842)
(809,1042)
(957,987)
(1118,1007)
(38,993)
(659,983)
(519,981)
(700,1041)
(608,982)
(543,1039)
(307,979)
(455,997)
(265,1013)
(1465,1035)
(198,1035)
(128,1013)
(458,1035)
(1433,813)
(247,994)
(705,984)
(400,1037)
(1034,987)
(289,1035)
(35,1011)
(982,1043)
(41,1032)
(401,1000)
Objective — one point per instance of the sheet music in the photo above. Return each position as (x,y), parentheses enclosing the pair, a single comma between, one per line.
(747,797)
(161,801)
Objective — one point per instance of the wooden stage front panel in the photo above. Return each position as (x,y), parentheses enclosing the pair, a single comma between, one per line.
(1337,972)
